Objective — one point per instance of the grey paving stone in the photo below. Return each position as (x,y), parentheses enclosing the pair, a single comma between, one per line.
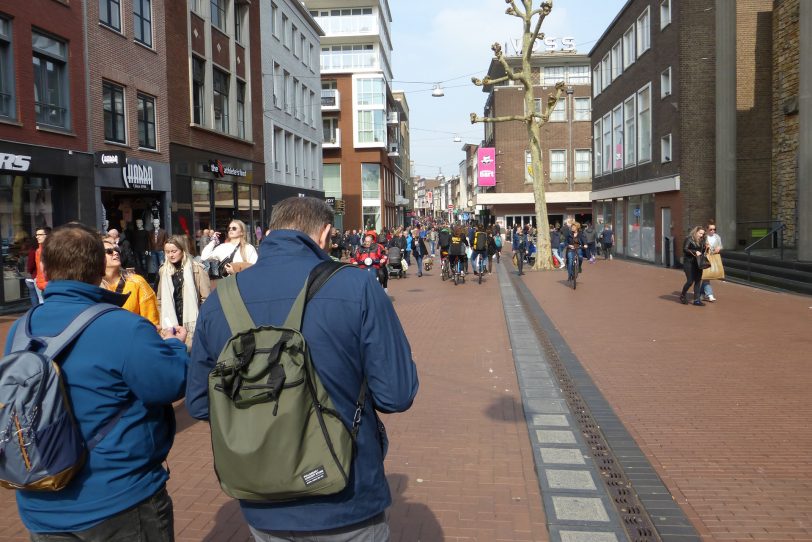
(552,420)
(548,436)
(587,536)
(544,406)
(570,479)
(580,509)
(561,456)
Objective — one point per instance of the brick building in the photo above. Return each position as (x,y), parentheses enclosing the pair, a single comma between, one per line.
(46,171)
(215,116)
(682,100)
(566,149)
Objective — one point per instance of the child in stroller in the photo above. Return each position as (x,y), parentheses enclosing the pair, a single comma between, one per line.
(394,265)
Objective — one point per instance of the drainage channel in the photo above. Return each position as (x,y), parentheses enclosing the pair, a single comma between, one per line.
(644,507)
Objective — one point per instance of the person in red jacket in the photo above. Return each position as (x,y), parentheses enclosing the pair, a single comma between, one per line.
(39,277)
(371,255)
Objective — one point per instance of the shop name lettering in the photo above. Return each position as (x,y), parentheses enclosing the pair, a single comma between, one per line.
(217,167)
(136,176)
(14,162)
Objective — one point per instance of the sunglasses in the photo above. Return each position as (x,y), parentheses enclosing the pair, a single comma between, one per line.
(711,229)
(234,228)
(110,251)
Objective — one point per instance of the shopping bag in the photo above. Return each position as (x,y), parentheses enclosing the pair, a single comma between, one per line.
(716,270)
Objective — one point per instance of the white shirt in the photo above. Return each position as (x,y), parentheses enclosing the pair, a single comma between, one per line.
(220,252)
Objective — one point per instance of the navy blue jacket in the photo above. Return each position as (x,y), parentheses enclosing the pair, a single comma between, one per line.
(119,358)
(353,332)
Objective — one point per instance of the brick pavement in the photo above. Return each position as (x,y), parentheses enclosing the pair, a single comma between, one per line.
(460,464)
(717,396)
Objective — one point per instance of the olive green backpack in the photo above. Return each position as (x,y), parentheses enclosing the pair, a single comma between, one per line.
(275,433)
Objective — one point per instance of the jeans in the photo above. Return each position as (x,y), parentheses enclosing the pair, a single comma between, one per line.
(375,529)
(607,251)
(707,291)
(477,256)
(520,253)
(419,258)
(149,521)
(34,293)
(431,246)
(571,261)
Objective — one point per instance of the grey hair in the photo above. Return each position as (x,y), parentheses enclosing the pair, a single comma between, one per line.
(308,215)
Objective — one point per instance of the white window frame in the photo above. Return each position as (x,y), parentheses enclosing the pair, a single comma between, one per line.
(665,13)
(274,20)
(606,71)
(665,83)
(666,150)
(559,112)
(617,60)
(374,109)
(596,80)
(630,131)
(7,83)
(641,156)
(588,161)
(597,151)
(561,153)
(629,47)
(617,138)
(643,29)
(607,153)
(582,114)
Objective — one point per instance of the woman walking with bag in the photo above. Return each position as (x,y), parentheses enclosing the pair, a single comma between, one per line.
(183,286)
(693,251)
(232,256)
(714,247)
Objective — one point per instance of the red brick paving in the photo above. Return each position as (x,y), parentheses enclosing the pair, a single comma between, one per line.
(716,396)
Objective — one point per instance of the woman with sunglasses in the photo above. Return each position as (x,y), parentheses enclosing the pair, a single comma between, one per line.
(236,253)
(183,286)
(714,247)
(140,297)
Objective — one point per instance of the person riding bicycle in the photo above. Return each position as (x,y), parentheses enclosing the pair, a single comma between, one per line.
(479,248)
(371,255)
(444,241)
(456,250)
(576,243)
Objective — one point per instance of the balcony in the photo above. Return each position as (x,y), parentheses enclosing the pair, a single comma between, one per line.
(332,140)
(330,100)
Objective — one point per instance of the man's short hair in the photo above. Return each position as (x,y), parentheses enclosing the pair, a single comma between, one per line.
(74,252)
(308,215)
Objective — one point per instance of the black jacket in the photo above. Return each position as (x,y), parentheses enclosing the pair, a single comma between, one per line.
(690,248)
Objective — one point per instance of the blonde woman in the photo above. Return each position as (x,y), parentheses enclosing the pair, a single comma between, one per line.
(695,246)
(183,286)
(140,297)
(236,253)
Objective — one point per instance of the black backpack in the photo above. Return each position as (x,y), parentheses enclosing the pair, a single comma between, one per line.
(444,238)
(480,240)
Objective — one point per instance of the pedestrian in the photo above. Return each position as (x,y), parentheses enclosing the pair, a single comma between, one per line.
(519,244)
(692,250)
(492,250)
(409,246)
(591,238)
(183,286)
(232,256)
(40,281)
(348,325)
(420,252)
(714,247)
(141,299)
(336,244)
(432,240)
(118,367)
(608,241)
(555,239)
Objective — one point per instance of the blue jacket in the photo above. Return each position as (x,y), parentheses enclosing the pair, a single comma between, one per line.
(352,331)
(519,240)
(119,358)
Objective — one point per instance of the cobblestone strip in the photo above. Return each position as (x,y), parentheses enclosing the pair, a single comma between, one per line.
(577,506)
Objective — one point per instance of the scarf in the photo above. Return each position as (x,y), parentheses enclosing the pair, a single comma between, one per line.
(168,316)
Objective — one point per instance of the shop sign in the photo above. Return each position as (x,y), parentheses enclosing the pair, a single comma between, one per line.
(331,202)
(111,159)
(137,176)
(14,162)
(486,157)
(219,170)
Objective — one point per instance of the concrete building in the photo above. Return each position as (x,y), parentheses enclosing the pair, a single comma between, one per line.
(291,87)
(565,140)
(403,163)
(215,115)
(360,115)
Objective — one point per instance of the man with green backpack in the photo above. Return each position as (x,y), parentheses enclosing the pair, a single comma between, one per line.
(291,360)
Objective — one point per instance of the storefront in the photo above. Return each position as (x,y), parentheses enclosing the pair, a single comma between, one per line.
(274,193)
(39,187)
(210,190)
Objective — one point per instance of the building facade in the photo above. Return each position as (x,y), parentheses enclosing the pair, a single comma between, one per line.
(566,147)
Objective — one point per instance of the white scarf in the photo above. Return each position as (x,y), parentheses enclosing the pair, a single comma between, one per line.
(190,297)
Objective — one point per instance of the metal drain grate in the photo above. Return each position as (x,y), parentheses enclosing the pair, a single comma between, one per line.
(636,521)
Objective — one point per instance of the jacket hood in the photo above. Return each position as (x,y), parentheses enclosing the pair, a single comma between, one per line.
(289,243)
(72,291)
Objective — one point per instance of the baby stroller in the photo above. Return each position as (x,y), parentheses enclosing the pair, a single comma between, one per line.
(394,263)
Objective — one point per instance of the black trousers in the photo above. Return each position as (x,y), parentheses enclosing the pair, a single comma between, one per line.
(693,275)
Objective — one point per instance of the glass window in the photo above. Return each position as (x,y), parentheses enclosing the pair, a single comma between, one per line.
(370,91)
(285,31)
(201,204)
(146,122)
(220,86)
(218,14)
(332,180)
(142,21)
(274,23)
(8,108)
(372,218)
(50,81)
(370,181)
(114,119)
(583,164)
(553,74)
(665,13)
(606,71)
(528,167)
(619,226)
(578,75)
(223,206)
(198,85)
(665,83)
(617,137)
(596,80)
(617,60)
(559,112)
(629,55)
(596,135)
(644,124)
(558,165)
(244,209)
(630,133)
(330,128)
(294,37)
(643,32)
(607,143)
(582,109)
(110,13)
(241,109)
(239,11)
(371,126)
(665,149)
(634,216)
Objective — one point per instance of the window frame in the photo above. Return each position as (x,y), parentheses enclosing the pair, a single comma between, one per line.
(113,89)
(217,6)
(597,151)
(142,99)
(669,157)
(617,138)
(585,114)
(224,93)
(606,137)
(588,161)
(60,62)
(617,59)
(643,42)
(564,177)
(629,47)
(596,80)
(140,21)
(108,23)
(640,112)
(664,93)
(606,70)
(239,28)
(241,89)
(199,91)
(561,109)
(7,85)
(630,131)
(665,13)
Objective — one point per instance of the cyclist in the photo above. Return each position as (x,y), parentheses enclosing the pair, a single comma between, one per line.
(444,241)
(479,247)
(576,243)
(370,255)
(456,251)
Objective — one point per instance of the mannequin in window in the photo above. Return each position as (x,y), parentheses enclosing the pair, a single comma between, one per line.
(157,240)
(139,240)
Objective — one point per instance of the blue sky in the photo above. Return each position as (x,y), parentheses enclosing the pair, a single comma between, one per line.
(449,41)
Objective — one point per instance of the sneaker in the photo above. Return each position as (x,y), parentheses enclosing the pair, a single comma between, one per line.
(710,298)
(610,256)
(592,259)
(386,290)
(698,303)
(683,300)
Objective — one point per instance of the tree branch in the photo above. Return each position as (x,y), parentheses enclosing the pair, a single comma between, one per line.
(488,81)
(542,12)
(513,9)
(475,118)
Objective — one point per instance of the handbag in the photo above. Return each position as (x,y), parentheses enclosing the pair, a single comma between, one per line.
(702,261)
(715,269)
(218,271)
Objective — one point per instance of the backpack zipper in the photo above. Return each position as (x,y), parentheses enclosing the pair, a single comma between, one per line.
(22,442)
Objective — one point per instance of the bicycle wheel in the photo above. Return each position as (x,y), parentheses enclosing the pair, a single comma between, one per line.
(574,274)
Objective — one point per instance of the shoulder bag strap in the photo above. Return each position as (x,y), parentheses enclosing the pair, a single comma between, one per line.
(233,305)
(315,280)
(22,338)
(55,345)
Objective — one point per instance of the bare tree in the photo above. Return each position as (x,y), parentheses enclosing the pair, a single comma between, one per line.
(532,119)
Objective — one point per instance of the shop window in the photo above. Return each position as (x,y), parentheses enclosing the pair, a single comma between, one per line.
(114,118)
(110,13)
(50,57)
(146,122)
(201,204)
(8,107)
(142,21)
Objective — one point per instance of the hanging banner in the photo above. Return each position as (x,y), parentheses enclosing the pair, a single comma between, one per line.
(486,158)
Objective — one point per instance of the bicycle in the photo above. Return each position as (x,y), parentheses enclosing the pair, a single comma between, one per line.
(445,269)
(481,266)
(573,269)
(459,275)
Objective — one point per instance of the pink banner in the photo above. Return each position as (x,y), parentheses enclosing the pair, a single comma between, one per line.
(487,166)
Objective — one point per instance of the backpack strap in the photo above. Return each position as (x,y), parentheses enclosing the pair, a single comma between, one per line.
(233,305)
(22,339)
(315,280)
(55,345)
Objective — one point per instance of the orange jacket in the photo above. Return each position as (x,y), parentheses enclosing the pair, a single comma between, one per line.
(41,282)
